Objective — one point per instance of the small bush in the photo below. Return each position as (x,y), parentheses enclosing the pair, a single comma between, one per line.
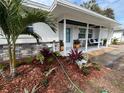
(57,54)
(40,57)
(28,60)
(18,63)
(115,41)
(2,66)
(104,41)
(86,70)
(96,66)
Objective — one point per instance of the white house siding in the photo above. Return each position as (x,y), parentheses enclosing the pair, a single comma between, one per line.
(119,35)
(104,33)
(40,28)
(47,34)
(95,33)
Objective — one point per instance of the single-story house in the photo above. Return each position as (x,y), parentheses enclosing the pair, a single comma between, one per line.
(73,23)
(119,34)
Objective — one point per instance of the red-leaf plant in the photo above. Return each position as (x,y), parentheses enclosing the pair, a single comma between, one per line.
(75,55)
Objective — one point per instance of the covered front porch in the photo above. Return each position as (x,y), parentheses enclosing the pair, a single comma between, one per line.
(90,36)
(77,23)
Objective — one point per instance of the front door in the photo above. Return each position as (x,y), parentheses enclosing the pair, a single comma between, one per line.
(68,37)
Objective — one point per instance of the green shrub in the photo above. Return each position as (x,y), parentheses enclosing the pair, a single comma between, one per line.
(28,60)
(104,41)
(40,57)
(57,54)
(96,66)
(86,70)
(2,66)
(115,41)
(18,63)
(104,91)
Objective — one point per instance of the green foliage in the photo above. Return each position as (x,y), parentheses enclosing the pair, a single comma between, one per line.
(115,41)
(94,6)
(104,91)
(40,57)
(104,41)
(86,70)
(96,66)
(2,66)
(48,54)
(109,13)
(45,82)
(14,20)
(57,54)
(18,63)
(28,60)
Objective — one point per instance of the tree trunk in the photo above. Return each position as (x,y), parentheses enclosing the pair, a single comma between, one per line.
(13,69)
(10,55)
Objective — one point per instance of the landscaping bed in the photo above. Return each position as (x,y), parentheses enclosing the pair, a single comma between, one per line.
(45,74)
(33,74)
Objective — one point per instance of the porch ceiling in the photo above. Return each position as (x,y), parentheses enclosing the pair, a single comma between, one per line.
(62,11)
(77,23)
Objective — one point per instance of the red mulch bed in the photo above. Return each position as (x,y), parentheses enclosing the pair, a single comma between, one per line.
(33,74)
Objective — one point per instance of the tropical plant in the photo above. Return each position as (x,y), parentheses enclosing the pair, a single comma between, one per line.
(14,20)
(75,55)
(48,54)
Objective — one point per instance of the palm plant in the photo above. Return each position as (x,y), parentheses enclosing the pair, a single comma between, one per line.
(14,20)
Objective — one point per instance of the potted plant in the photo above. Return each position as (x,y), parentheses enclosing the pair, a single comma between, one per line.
(78,57)
(61,45)
(76,44)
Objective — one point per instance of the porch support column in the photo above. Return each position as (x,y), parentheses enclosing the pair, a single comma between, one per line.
(64,37)
(109,37)
(87,31)
(99,40)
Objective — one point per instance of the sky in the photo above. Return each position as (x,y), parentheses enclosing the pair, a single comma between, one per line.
(116,5)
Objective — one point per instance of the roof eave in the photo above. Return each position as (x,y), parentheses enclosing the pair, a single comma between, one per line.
(84,10)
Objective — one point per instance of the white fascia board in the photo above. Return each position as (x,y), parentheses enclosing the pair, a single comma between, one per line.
(84,10)
(53,5)
(36,5)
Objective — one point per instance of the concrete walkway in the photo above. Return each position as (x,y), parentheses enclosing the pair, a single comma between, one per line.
(111,58)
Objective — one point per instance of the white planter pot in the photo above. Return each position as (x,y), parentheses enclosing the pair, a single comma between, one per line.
(81,63)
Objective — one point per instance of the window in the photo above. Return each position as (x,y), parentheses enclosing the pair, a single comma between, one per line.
(82,33)
(30,28)
(68,35)
(90,34)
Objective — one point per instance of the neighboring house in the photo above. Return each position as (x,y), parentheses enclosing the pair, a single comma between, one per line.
(119,34)
(73,22)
